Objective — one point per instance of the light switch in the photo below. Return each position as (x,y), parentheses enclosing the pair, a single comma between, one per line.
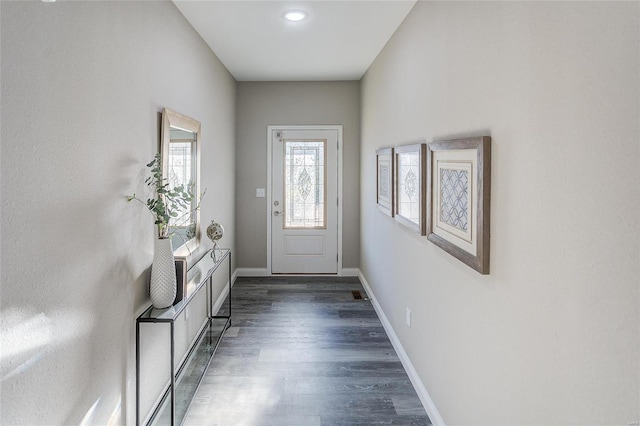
(260,193)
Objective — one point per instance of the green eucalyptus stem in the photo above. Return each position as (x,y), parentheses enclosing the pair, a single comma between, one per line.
(168,201)
(163,229)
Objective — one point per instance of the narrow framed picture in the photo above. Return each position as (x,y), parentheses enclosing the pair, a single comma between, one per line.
(410,172)
(458,199)
(384,180)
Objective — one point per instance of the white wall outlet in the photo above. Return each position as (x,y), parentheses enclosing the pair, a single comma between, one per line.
(408,318)
(260,193)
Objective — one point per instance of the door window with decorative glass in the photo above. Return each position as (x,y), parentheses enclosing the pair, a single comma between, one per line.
(304,184)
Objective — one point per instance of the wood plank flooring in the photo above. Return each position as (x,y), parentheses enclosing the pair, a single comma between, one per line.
(302,351)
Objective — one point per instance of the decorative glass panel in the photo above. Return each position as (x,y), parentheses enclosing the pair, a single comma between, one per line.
(409,185)
(304,184)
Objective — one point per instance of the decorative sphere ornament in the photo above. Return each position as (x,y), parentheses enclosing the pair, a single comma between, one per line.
(215,231)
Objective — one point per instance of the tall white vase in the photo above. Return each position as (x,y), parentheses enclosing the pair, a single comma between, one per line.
(162,287)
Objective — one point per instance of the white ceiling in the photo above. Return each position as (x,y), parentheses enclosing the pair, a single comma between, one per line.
(338,40)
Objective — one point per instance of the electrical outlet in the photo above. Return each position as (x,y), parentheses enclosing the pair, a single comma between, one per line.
(408,318)
(260,193)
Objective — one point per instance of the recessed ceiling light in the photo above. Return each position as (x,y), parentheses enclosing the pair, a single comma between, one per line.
(48,1)
(295,15)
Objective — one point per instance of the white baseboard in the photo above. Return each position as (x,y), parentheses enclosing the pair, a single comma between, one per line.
(426,400)
(350,272)
(262,272)
(251,272)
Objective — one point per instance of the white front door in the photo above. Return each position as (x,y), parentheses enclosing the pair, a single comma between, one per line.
(304,201)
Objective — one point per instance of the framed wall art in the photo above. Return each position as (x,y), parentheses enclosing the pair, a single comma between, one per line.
(384,180)
(410,172)
(458,198)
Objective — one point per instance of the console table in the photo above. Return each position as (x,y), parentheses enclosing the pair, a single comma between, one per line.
(187,376)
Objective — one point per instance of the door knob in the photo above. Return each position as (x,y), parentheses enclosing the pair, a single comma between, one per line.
(276,213)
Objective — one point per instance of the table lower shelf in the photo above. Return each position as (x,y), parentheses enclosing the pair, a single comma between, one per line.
(190,374)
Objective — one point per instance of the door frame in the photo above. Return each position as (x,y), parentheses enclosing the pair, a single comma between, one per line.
(270,129)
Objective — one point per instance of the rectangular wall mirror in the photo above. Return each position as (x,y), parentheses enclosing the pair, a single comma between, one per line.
(180,145)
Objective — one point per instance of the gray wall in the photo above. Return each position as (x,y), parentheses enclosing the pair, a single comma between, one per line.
(82,87)
(263,104)
(551,336)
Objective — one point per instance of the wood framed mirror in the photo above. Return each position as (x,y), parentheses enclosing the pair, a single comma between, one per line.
(180,147)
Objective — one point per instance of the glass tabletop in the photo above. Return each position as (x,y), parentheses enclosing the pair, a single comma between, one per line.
(197,277)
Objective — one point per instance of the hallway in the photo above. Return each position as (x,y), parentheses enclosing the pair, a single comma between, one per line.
(550,337)
(303,351)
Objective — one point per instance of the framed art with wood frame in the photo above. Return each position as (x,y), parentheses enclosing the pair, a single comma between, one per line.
(384,180)
(458,198)
(409,185)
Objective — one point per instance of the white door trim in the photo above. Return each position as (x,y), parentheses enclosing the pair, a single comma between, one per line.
(270,130)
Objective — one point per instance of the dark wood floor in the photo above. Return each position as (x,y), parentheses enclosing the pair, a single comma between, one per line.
(304,352)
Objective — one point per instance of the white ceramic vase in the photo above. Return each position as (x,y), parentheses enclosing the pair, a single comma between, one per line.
(162,287)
